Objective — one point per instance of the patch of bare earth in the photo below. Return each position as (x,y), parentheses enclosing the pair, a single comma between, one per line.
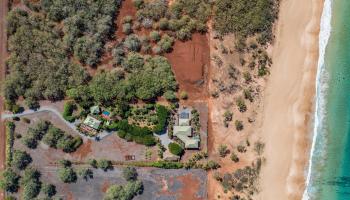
(227,90)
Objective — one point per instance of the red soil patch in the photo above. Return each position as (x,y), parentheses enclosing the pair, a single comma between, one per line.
(105,186)
(126,9)
(84,150)
(190,188)
(190,61)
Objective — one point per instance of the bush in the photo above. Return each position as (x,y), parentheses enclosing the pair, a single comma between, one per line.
(166,43)
(105,164)
(183,95)
(21,159)
(127,192)
(222,150)
(130,174)
(10,131)
(49,190)
(163,24)
(162,115)
(132,43)
(184,34)
(241,105)
(234,157)
(67,175)
(155,36)
(68,110)
(31,183)
(176,149)
(93,163)
(86,173)
(138,3)
(239,125)
(137,134)
(9,181)
(127,28)
(170,96)
(53,136)
(69,144)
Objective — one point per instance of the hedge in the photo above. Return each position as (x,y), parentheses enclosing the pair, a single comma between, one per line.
(162,115)
(69,107)
(140,135)
(10,132)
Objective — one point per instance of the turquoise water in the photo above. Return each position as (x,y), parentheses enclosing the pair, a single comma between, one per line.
(331,175)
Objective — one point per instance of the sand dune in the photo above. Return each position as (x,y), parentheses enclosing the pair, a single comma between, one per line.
(289,100)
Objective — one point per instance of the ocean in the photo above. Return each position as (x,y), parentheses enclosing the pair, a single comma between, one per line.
(328,175)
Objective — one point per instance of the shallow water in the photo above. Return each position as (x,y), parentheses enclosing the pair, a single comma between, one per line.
(330,175)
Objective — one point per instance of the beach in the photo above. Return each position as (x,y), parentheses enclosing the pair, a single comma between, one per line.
(290,100)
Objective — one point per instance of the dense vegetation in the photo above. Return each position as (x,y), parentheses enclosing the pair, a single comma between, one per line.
(141,135)
(245,17)
(176,149)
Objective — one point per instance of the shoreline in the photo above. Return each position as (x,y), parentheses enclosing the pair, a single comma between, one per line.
(325,32)
(289,100)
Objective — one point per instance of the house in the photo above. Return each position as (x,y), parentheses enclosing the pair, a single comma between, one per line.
(90,125)
(183,131)
(106,115)
(184,117)
(95,110)
(92,122)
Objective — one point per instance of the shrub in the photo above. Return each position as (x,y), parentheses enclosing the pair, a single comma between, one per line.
(184,34)
(93,163)
(69,107)
(155,36)
(170,96)
(239,125)
(163,24)
(183,95)
(127,19)
(132,43)
(138,3)
(21,159)
(222,149)
(166,43)
(127,28)
(31,183)
(86,173)
(49,190)
(175,149)
(130,174)
(105,164)
(241,105)
(234,157)
(162,115)
(53,136)
(9,181)
(10,131)
(67,175)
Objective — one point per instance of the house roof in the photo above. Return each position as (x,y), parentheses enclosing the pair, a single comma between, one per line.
(182,130)
(184,115)
(190,143)
(95,109)
(92,122)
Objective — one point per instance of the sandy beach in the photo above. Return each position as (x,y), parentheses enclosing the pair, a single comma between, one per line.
(289,100)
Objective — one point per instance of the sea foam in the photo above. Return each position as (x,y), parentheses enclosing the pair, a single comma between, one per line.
(318,139)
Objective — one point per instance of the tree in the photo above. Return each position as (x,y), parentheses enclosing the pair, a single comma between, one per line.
(128,192)
(9,181)
(166,43)
(67,175)
(132,43)
(86,173)
(53,136)
(105,164)
(49,190)
(127,28)
(170,96)
(175,149)
(133,61)
(21,159)
(31,183)
(155,36)
(222,150)
(130,173)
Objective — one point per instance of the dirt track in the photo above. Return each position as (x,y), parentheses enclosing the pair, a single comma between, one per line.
(3,55)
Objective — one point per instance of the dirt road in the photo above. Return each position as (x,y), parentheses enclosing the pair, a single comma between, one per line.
(3,55)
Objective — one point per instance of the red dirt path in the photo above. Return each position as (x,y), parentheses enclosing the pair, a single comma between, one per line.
(3,56)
